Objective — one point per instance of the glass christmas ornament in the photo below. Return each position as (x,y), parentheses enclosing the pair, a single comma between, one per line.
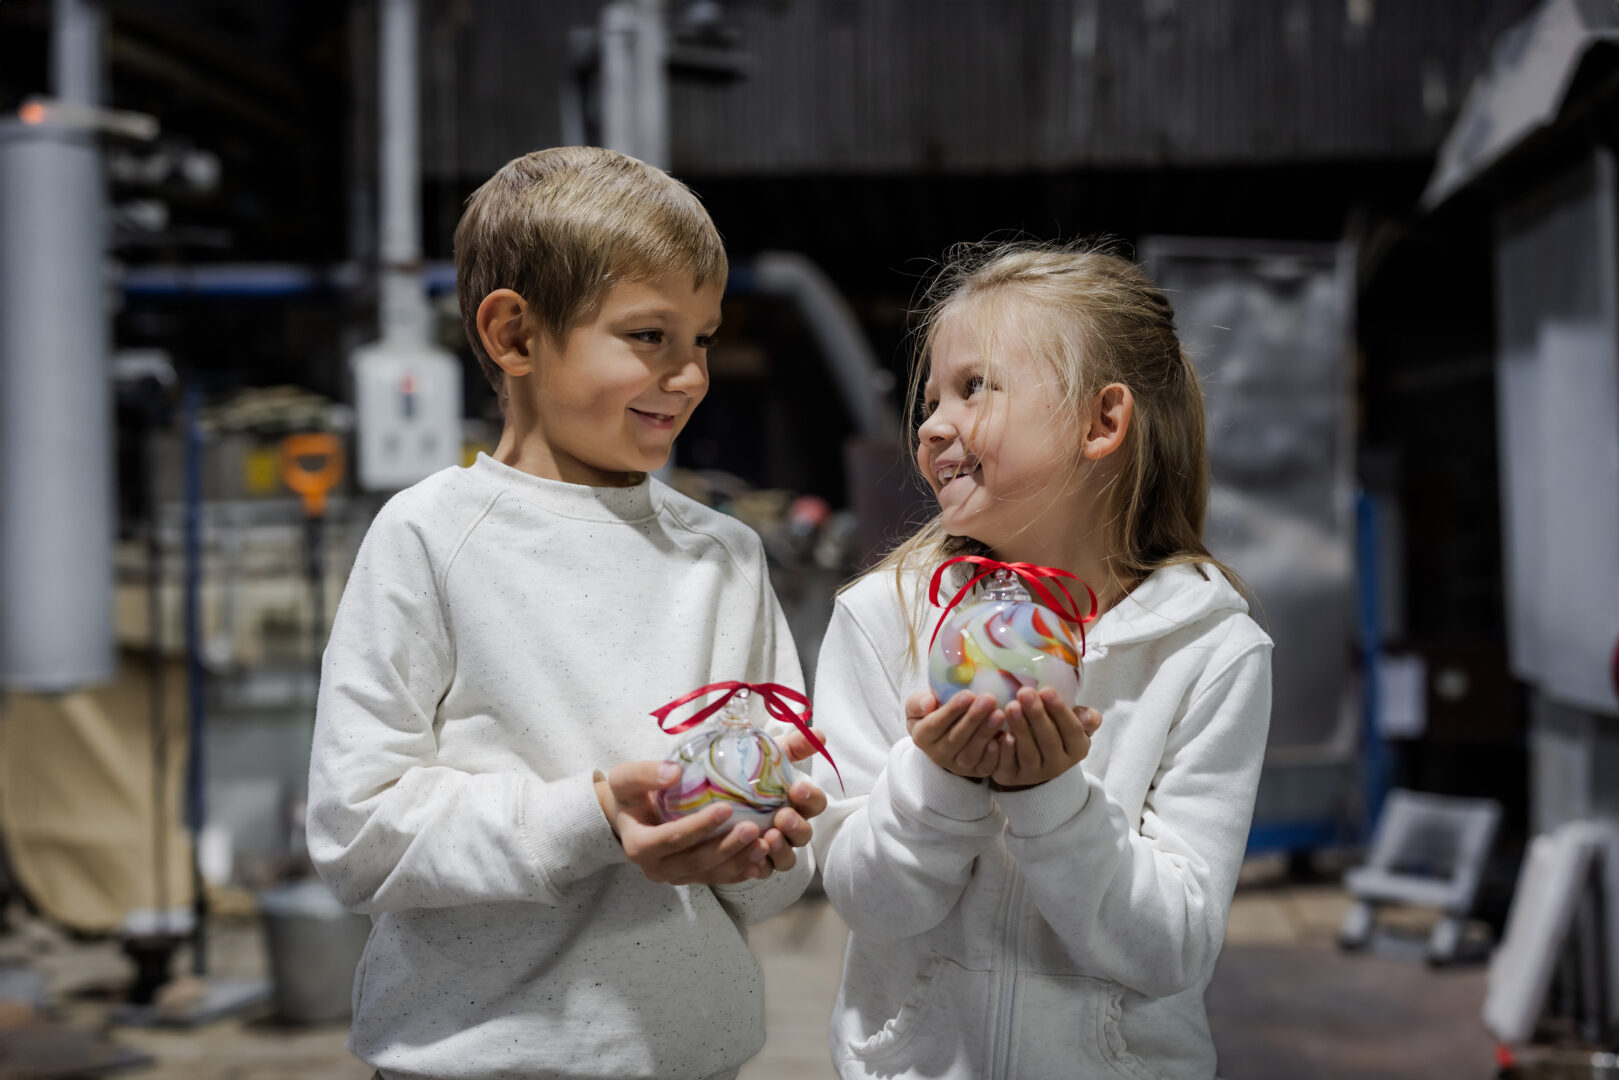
(728,760)
(1003,642)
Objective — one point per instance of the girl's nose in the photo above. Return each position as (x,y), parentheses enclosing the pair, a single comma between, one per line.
(936,428)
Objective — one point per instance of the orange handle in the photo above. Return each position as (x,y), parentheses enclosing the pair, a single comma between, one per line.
(312,465)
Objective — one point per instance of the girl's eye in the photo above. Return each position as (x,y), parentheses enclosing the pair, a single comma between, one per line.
(973,385)
(650,337)
(706,341)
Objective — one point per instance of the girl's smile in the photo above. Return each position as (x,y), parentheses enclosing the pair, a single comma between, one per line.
(993,445)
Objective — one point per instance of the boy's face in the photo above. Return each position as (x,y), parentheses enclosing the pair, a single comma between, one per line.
(624,383)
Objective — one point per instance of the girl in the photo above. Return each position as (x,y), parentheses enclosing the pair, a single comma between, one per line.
(1033,892)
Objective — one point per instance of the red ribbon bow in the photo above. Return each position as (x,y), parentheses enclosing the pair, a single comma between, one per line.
(774,695)
(1031,575)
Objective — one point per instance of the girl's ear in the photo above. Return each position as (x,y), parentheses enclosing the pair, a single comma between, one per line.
(502,329)
(1108,419)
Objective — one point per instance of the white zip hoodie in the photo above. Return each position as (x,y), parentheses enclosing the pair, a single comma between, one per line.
(1067,930)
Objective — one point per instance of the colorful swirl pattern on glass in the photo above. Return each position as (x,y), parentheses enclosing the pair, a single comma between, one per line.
(1000,645)
(729,761)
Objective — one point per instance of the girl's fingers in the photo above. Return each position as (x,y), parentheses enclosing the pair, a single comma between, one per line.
(972,721)
(1006,766)
(1026,751)
(952,741)
(968,757)
(990,756)
(920,704)
(1044,728)
(933,727)
(1069,725)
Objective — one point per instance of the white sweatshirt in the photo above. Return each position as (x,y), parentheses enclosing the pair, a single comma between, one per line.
(1063,931)
(500,639)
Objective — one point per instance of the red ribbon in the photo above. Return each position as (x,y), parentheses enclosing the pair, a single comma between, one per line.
(1031,575)
(774,695)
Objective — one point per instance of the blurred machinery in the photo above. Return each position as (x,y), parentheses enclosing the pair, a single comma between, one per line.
(1268,326)
(1530,164)
(88,791)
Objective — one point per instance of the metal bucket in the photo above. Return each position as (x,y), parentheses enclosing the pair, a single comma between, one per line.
(313,945)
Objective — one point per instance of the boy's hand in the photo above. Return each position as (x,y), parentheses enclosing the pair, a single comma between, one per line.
(791,828)
(796,747)
(684,851)
(1048,738)
(959,735)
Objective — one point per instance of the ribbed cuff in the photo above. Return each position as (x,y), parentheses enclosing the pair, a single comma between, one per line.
(1042,808)
(563,827)
(934,794)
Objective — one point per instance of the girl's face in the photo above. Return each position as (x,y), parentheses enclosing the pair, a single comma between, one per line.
(997,446)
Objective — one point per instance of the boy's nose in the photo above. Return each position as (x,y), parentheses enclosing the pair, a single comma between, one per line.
(689,376)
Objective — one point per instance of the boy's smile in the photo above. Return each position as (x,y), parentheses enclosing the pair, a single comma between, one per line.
(610,401)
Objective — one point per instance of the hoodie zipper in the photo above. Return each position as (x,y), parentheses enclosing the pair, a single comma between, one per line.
(1000,1062)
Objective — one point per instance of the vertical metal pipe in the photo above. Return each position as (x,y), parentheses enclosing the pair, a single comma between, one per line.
(652,84)
(76,51)
(196,761)
(404,308)
(56,478)
(635,85)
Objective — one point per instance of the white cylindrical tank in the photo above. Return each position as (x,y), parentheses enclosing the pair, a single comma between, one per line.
(56,422)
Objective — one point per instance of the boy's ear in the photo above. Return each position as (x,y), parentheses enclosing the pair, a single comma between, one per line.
(1107,420)
(503,329)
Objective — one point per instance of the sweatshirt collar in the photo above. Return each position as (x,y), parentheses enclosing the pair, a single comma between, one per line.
(622,504)
(1170,599)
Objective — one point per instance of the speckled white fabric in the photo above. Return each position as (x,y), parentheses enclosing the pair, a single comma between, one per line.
(501,637)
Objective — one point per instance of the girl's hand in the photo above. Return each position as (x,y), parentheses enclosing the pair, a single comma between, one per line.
(960,735)
(683,851)
(791,828)
(1048,738)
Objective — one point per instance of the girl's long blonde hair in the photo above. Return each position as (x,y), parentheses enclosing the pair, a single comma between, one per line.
(1097,319)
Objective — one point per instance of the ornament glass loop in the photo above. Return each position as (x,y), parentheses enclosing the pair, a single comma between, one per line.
(728,760)
(1003,642)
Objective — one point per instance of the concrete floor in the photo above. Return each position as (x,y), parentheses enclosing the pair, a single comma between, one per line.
(1285,1003)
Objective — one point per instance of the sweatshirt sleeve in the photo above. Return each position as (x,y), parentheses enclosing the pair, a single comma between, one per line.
(774,659)
(897,843)
(388,827)
(1148,908)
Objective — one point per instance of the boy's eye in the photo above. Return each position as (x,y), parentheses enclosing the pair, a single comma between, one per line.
(650,337)
(706,341)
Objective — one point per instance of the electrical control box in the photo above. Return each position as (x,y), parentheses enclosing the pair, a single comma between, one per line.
(407,403)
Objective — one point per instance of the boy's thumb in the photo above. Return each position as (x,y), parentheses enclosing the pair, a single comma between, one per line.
(639,777)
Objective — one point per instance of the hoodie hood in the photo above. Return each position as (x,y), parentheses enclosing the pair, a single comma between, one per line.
(1171,599)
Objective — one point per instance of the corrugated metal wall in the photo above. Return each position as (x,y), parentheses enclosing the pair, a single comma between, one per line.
(897,86)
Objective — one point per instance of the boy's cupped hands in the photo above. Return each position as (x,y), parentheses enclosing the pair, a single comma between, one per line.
(1036,738)
(687,851)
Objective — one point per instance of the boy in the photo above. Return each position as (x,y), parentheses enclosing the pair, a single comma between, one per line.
(506,631)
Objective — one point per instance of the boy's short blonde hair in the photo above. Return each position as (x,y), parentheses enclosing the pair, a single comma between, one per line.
(560,227)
